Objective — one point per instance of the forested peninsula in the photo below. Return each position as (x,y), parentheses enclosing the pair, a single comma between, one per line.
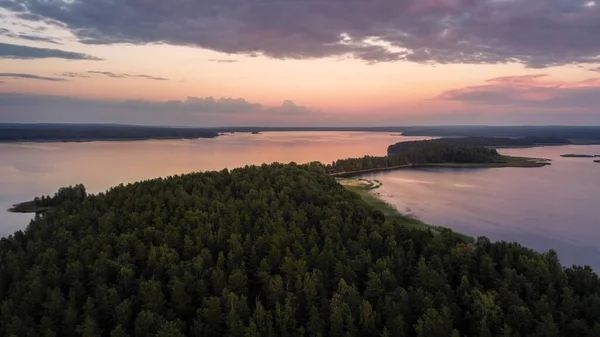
(273,250)
(439,153)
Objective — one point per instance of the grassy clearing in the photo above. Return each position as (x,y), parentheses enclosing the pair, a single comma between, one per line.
(361,183)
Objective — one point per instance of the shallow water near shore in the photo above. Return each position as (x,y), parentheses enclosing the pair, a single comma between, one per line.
(550,207)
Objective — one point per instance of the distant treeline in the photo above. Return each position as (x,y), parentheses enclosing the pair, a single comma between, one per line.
(90,132)
(582,134)
(575,155)
(86,132)
(439,144)
(578,134)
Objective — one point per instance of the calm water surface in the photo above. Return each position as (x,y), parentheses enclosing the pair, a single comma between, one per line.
(552,207)
(557,206)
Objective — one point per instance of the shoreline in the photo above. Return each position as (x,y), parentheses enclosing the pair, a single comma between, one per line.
(519,162)
(373,170)
(364,188)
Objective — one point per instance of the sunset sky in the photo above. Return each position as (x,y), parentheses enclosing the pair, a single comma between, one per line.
(300,62)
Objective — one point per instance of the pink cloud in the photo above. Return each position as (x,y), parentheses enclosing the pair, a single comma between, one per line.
(524,79)
(534,91)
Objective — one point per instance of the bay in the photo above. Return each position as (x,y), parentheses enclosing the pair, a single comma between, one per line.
(553,207)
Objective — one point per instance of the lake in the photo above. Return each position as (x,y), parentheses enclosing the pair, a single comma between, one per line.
(32,169)
(556,206)
(552,207)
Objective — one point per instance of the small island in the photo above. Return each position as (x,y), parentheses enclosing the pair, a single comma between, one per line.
(432,153)
(575,155)
(597,161)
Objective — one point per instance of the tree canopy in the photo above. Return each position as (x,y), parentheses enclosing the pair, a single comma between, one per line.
(275,250)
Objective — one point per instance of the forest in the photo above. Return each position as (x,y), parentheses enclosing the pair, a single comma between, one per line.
(273,250)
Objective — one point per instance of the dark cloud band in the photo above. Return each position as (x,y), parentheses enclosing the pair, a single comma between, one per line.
(202,105)
(32,77)
(37,38)
(538,33)
(122,75)
(13,51)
